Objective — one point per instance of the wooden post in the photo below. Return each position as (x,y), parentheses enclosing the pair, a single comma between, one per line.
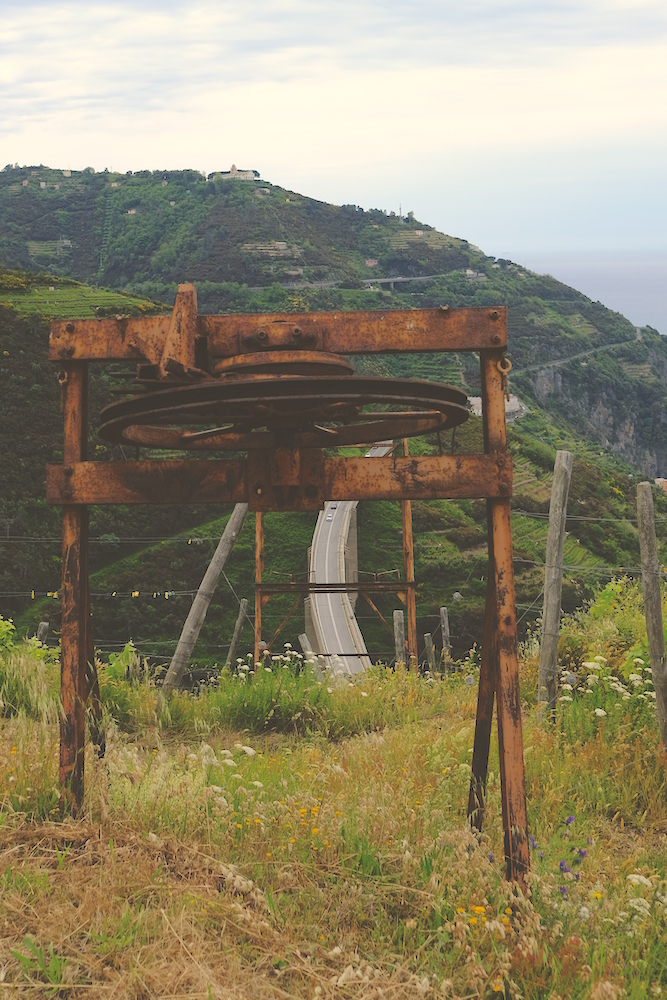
(200,605)
(259,569)
(409,567)
(430,651)
(399,636)
(74,605)
(238,628)
(444,629)
(500,664)
(553,580)
(652,604)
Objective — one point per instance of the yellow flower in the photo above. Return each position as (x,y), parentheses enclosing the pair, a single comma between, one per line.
(508,911)
(248,821)
(498,987)
(597,895)
(338,812)
(268,854)
(478,909)
(257,820)
(14,750)
(315,831)
(472,921)
(314,810)
(303,812)
(460,909)
(239,826)
(292,840)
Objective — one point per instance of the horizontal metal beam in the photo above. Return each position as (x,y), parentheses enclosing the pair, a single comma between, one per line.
(196,481)
(364,587)
(415,330)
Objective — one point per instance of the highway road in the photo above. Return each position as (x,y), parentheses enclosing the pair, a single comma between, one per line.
(339,636)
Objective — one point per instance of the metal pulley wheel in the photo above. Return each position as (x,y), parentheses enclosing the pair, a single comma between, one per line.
(291,411)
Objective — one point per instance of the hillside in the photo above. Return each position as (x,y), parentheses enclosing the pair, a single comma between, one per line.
(256,246)
(608,403)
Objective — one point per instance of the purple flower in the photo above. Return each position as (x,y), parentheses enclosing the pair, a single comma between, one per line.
(532,842)
(491,856)
(577,876)
(570,819)
(590,840)
(583,853)
(541,855)
(563,890)
(564,866)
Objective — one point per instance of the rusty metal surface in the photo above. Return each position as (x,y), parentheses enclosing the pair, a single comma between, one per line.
(317,411)
(409,569)
(422,477)
(421,330)
(363,586)
(75,622)
(259,570)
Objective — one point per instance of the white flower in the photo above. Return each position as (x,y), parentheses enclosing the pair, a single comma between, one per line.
(600,712)
(364,695)
(567,687)
(565,697)
(249,751)
(192,757)
(239,777)
(592,679)
(627,696)
(600,659)
(228,762)
(225,753)
(221,801)
(636,879)
(216,789)
(268,670)
(584,912)
(258,784)
(638,659)
(591,665)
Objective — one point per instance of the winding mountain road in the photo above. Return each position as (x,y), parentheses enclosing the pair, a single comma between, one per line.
(337,631)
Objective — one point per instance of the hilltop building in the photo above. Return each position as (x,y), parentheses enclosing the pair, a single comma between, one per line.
(235,175)
(514,408)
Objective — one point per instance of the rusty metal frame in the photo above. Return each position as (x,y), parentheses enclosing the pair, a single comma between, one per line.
(171,344)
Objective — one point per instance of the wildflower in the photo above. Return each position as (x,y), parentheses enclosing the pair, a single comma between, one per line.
(460,909)
(364,695)
(498,986)
(14,750)
(257,820)
(582,852)
(491,857)
(541,855)
(638,659)
(567,687)
(472,921)
(478,909)
(532,842)
(600,712)
(292,840)
(258,784)
(315,831)
(570,819)
(564,866)
(600,659)
(597,895)
(508,911)
(563,889)
(565,697)
(239,826)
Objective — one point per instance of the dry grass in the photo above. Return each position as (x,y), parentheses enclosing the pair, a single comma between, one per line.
(316,868)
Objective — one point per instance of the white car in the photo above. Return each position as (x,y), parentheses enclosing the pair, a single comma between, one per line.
(329,517)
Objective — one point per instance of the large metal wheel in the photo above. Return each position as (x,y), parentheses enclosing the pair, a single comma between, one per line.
(264,410)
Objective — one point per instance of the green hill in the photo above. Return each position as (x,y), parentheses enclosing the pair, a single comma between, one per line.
(592,382)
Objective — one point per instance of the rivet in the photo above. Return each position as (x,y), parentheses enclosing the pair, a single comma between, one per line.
(70,327)
(67,494)
(68,470)
(501,461)
(495,338)
(494,314)
(258,491)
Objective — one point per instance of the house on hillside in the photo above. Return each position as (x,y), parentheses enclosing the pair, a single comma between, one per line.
(514,408)
(235,175)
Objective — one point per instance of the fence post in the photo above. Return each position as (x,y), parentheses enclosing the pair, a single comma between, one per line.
(238,628)
(430,651)
(648,547)
(399,636)
(444,628)
(553,579)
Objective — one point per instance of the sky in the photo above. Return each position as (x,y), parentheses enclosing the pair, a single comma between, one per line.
(534,128)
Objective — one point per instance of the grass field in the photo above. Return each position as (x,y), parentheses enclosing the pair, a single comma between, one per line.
(282,836)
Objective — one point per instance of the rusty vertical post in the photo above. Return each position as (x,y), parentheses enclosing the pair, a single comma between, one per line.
(489,666)
(409,567)
(259,568)
(508,697)
(74,641)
